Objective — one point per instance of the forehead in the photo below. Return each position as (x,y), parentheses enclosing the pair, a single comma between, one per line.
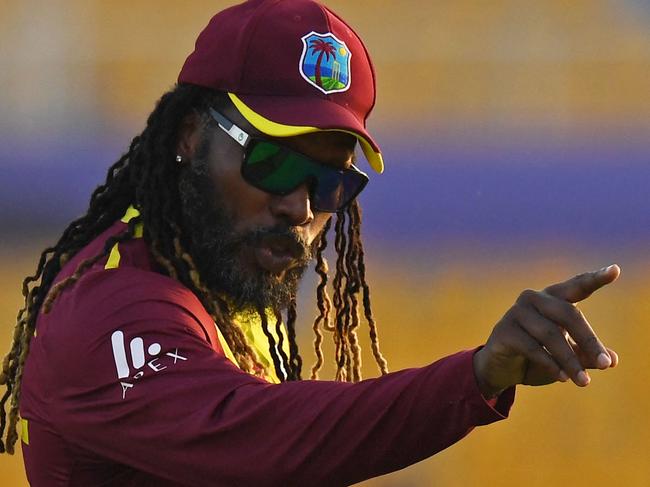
(331,147)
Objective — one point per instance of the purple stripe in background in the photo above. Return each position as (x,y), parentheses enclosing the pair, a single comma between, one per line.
(499,202)
(589,194)
(45,185)
(498,194)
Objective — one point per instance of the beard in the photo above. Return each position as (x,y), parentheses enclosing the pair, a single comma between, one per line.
(218,249)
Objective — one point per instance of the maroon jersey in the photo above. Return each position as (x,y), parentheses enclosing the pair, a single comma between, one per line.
(127,383)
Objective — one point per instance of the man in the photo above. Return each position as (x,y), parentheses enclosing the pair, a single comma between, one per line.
(152,350)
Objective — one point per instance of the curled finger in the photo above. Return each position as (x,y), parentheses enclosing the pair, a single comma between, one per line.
(551,336)
(568,317)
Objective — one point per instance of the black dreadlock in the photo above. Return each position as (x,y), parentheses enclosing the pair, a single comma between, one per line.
(146,176)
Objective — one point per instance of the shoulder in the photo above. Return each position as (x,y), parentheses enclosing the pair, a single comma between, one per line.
(130,287)
(117,324)
(127,298)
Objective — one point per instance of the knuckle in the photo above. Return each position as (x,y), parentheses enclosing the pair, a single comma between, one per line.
(550,333)
(570,315)
(517,312)
(526,296)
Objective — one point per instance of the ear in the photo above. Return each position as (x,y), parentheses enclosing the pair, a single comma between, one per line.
(189,136)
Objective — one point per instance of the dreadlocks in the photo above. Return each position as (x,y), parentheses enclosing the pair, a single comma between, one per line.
(147,177)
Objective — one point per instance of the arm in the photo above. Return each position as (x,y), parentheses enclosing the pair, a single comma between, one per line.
(195,418)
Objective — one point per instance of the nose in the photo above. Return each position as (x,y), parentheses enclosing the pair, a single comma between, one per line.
(295,207)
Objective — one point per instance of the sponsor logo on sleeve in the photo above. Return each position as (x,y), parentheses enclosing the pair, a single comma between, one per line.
(142,362)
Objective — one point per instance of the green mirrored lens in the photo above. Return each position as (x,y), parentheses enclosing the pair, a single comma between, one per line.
(280,170)
(275,168)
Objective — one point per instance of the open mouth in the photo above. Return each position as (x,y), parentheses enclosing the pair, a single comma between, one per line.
(277,253)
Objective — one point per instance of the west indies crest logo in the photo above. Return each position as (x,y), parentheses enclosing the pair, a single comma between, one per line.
(325,62)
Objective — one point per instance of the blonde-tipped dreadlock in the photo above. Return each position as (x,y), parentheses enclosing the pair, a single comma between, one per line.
(147,176)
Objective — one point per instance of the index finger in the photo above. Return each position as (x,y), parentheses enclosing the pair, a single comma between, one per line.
(584,285)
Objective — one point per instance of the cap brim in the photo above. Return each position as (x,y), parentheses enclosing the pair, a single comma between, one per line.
(279,116)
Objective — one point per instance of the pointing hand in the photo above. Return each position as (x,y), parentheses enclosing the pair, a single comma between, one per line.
(545,338)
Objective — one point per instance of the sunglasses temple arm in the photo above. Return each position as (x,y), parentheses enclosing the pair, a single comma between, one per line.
(230,128)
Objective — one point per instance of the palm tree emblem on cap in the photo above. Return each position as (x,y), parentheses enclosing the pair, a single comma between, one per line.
(325,62)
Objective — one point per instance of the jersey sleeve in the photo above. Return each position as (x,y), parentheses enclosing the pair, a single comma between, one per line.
(143,386)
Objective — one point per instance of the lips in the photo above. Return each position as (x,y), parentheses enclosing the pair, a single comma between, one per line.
(277,253)
(272,261)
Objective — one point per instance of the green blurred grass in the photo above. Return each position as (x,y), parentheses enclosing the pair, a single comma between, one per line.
(558,434)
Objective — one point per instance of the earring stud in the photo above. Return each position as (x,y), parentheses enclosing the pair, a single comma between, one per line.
(179,158)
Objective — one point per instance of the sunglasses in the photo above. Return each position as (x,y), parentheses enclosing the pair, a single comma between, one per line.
(278,170)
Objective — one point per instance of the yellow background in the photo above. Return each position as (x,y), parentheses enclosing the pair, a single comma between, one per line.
(556,435)
(563,67)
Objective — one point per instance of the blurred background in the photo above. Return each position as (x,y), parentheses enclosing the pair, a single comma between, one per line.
(516,139)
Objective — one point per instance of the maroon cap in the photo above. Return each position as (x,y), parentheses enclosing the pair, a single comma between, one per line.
(290,67)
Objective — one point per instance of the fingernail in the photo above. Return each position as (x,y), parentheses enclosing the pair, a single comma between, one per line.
(583,378)
(563,376)
(603,361)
